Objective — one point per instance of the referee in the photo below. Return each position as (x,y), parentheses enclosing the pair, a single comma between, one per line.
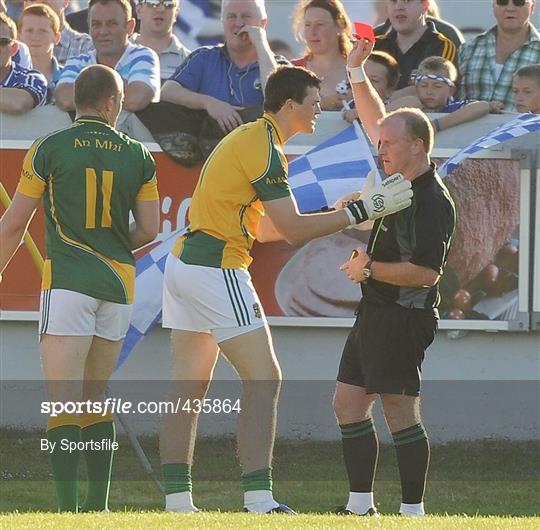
(397,317)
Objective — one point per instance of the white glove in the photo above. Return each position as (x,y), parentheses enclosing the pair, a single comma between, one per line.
(393,195)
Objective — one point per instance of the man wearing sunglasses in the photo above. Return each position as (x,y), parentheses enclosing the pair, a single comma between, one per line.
(488,62)
(20,89)
(157,19)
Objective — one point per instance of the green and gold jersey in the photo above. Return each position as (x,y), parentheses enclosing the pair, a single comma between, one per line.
(247,167)
(90,176)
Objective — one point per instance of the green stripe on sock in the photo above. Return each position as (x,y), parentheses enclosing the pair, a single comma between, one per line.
(353,430)
(409,435)
(258,480)
(176,478)
(98,465)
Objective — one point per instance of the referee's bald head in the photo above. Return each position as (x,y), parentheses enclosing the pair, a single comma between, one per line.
(95,84)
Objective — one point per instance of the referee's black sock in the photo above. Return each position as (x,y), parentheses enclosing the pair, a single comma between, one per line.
(412,449)
(360,451)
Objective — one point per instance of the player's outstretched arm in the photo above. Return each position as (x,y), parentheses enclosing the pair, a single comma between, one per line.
(267,231)
(13,224)
(146,227)
(393,195)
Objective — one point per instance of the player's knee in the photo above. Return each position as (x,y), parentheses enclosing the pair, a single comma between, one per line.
(344,409)
(400,411)
(348,410)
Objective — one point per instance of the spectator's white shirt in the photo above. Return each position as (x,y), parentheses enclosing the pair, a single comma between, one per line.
(138,63)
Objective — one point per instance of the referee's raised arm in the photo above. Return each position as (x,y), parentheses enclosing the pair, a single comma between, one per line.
(369,105)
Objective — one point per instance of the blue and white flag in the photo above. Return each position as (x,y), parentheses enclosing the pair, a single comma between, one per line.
(523,124)
(331,170)
(148,289)
(319,178)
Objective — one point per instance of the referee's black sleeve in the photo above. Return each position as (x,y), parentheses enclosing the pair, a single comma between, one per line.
(434,225)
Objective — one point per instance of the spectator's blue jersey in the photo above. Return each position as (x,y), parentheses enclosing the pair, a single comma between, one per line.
(22,56)
(32,81)
(210,71)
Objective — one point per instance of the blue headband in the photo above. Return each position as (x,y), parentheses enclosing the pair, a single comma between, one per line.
(433,77)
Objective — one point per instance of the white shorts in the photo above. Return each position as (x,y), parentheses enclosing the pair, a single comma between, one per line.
(63,312)
(222,302)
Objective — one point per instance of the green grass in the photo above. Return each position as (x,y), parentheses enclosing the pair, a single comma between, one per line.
(482,482)
(239,521)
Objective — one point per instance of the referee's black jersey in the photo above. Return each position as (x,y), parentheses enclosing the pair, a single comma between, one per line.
(430,43)
(420,234)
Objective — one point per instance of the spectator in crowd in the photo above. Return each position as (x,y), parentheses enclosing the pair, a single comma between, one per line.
(326,30)
(71,42)
(157,18)
(20,89)
(487,63)
(526,89)
(383,72)
(433,15)
(411,37)
(22,53)
(40,31)
(280,47)
(78,20)
(224,78)
(111,24)
(435,86)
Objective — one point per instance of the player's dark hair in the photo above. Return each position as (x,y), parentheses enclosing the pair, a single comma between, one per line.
(417,124)
(124,4)
(94,84)
(288,82)
(391,66)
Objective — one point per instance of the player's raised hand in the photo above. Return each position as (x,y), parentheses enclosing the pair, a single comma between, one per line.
(225,114)
(393,195)
(362,49)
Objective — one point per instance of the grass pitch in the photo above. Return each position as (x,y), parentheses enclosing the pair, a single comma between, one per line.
(237,521)
(473,485)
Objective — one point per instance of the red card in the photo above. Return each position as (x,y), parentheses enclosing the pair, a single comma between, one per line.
(364,31)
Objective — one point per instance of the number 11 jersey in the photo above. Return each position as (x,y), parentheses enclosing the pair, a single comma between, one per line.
(90,176)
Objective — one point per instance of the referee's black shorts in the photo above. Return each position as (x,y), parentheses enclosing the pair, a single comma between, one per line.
(386,347)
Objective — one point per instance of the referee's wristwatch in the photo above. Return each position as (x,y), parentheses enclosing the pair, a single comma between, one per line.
(367,270)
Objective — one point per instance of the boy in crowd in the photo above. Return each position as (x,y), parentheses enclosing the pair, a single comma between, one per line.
(20,89)
(526,89)
(39,27)
(383,72)
(435,83)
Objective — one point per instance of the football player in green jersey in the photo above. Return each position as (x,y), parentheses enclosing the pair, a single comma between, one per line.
(90,177)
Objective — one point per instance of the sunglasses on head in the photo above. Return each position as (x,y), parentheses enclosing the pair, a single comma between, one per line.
(517,3)
(5,41)
(156,3)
